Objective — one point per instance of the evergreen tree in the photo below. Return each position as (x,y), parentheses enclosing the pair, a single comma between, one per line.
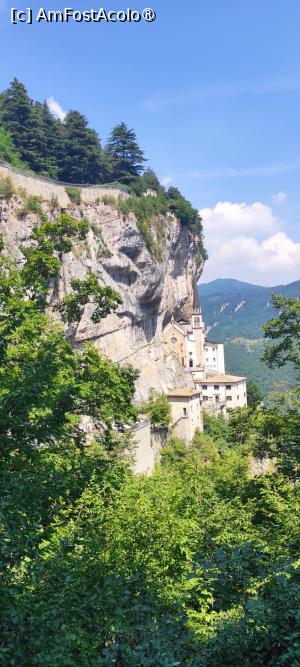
(147,180)
(16,115)
(82,155)
(254,394)
(124,156)
(46,141)
(8,151)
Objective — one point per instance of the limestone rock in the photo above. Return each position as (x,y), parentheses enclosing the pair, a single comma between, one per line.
(152,291)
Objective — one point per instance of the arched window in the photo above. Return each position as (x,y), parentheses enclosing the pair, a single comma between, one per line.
(173,341)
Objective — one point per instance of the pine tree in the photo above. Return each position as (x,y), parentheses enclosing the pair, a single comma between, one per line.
(124,156)
(82,154)
(16,115)
(46,142)
(8,151)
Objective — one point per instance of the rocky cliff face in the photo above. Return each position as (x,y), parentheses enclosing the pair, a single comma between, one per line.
(151,290)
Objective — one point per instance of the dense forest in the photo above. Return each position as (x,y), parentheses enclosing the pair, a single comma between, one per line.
(68,151)
(196,565)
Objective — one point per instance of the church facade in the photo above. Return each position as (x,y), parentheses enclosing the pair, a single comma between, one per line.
(203,360)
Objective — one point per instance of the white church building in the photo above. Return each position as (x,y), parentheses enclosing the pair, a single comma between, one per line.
(204,360)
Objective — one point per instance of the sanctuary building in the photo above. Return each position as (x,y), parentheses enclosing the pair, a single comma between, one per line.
(204,360)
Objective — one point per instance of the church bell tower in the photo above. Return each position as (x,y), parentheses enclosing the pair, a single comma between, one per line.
(198,329)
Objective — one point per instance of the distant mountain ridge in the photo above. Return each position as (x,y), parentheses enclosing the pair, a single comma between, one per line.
(233,312)
(233,308)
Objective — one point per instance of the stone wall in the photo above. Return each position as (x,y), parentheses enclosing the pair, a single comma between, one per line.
(149,443)
(46,189)
(144,453)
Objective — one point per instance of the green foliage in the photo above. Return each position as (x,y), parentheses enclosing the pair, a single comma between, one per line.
(54,203)
(196,565)
(81,161)
(49,240)
(150,212)
(204,446)
(174,451)
(105,300)
(244,357)
(16,118)
(124,158)
(254,394)
(158,409)
(46,141)
(74,194)
(8,151)
(216,427)
(147,180)
(184,211)
(32,204)
(109,200)
(285,329)
(6,187)
(71,152)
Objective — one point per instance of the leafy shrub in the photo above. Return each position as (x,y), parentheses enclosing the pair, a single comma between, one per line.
(109,200)
(54,202)
(8,151)
(74,194)
(115,185)
(158,409)
(32,205)
(6,188)
(148,212)
(203,446)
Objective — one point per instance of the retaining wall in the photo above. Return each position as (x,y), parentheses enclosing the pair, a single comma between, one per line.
(45,188)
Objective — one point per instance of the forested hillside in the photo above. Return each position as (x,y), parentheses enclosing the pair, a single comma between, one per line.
(196,565)
(234,313)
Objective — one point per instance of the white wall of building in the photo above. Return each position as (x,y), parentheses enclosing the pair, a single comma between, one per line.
(231,394)
(214,360)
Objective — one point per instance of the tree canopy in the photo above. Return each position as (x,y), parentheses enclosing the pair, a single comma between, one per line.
(125,159)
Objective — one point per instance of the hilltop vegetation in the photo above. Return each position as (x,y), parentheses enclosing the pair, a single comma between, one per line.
(33,140)
(235,312)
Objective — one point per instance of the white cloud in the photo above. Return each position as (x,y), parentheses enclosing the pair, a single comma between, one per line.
(56,109)
(228,219)
(167,180)
(279,197)
(246,242)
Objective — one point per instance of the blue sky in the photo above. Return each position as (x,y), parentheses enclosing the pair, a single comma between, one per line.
(212,89)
